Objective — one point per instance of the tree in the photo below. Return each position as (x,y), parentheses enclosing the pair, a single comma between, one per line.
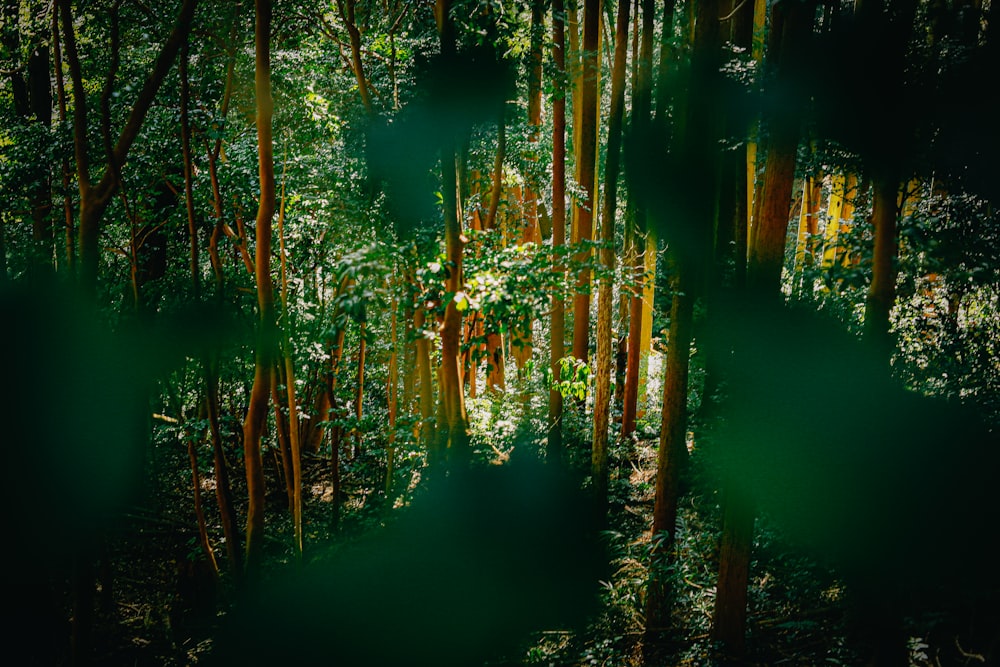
(690,206)
(453,434)
(602,393)
(586,156)
(264,355)
(557,325)
(95,197)
(642,247)
(791,24)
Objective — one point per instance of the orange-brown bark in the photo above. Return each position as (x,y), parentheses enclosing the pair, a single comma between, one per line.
(586,156)
(602,392)
(253,424)
(557,324)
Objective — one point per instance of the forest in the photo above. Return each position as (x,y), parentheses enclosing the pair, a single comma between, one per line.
(500,332)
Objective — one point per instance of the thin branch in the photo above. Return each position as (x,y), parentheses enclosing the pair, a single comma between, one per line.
(734,12)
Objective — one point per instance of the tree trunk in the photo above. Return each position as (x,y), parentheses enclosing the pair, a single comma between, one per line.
(188,170)
(729,619)
(754,185)
(791,23)
(223,489)
(359,396)
(558,317)
(453,436)
(392,385)
(256,416)
(882,291)
(94,199)
(296,449)
(336,412)
(347,10)
(672,452)
(812,189)
(495,358)
(427,426)
(587,159)
(69,231)
(640,130)
(602,392)
(835,207)
(630,399)
(649,257)
(199,512)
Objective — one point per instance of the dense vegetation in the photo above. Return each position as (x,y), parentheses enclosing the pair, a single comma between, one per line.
(382,332)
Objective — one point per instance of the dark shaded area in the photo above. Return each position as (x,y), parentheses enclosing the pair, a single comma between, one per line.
(73,415)
(478,561)
(894,490)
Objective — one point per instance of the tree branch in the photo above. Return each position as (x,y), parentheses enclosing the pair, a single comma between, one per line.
(140,108)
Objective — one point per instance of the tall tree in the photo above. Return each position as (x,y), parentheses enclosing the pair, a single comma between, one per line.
(558,319)
(453,434)
(96,194)
(264,357)
(644,240)
(586,155)
(602,392)
(791,25)
(887,156)
(693,193)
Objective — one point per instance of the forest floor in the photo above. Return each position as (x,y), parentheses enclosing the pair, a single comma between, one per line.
(164,607)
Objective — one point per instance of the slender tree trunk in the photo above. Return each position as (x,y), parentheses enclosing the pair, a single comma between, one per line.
(69,231)
(359,396)
(522,332)
(646,321)
(495,358)
(630,397)
(409,399)
(882,291)
(282,434)
(195,285)
(641,131)
(730,613)
(40,97)
(427,426)
(698,132)
(294,434)
(294,431)
(213,156)
(223,488)
(808,219)
(672,452)
(199,511)
(336,412)
(558,321)
(253,425)
(392,384)
(453,435)
(347,11)
(602,392)
(835,207)
(188,170)
(587,158)
(754,183)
